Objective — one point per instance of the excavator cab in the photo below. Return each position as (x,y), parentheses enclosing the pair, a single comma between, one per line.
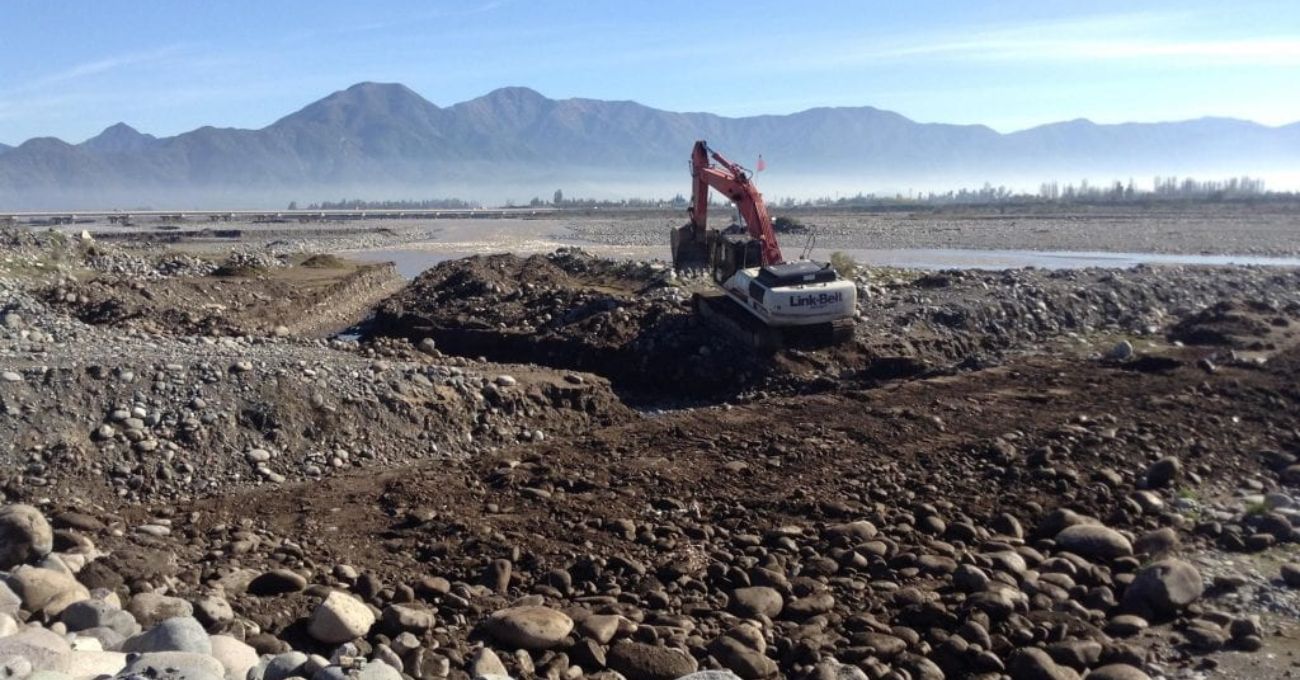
(733,252)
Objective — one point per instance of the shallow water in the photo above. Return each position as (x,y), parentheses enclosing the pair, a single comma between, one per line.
(409,263)
(958,258)
(412,260)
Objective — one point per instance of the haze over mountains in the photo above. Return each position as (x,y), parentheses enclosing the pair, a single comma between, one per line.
(383,141)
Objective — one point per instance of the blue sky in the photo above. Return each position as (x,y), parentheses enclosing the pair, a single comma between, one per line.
(71,68)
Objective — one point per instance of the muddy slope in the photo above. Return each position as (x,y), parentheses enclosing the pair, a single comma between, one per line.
(569,310)
(304,300)
(632,323)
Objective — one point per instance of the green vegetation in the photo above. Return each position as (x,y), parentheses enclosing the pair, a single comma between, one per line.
(844,263)
(787,225)
(32,253)
(1163,190)
(324,261)
(1257,508)
(358,204)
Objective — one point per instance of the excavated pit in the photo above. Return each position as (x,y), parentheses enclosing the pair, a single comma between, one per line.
(620,320)
(631,322)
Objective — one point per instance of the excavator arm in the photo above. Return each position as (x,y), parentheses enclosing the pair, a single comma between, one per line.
(711,170)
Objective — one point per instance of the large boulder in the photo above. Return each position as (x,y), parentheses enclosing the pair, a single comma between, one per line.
(174,666)
(8,625)
(1164,472)
(277,582)
(640,661)
(754,601)
(214,612)
(809,606)
(407,617)
(1118,671)
(742,659)
(106,637)
(180,634)
(1290,573)
(600,627)
(1094,541)
(854,532)
(1163,588)
(44,649)
(529,627)
(235,656)
(1053,522)
(46,590)
(377,670)
(339,618)
(150,608)
(486,662)
(1032,663)
(87,664)
(97,613)
(10,603)
(284,666)
(25,536)
(1157,542)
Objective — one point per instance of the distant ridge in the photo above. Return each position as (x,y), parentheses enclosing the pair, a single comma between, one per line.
(375,134)
(119,138)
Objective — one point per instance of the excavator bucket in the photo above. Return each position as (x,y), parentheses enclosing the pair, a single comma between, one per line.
(689,250)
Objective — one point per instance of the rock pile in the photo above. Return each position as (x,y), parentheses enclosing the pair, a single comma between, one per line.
(930,593)
(264,410)
(145,267)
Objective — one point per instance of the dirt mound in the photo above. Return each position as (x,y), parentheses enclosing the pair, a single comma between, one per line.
(520,285)
(168,418)
(621,320)
(300,300)
(1236,325)
(324,261)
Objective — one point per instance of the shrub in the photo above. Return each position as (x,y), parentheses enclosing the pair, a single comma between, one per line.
(844,263)
(788,225)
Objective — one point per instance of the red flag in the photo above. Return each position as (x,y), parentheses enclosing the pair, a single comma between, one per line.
(762,165)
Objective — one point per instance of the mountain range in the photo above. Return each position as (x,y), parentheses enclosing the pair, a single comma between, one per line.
(381,141)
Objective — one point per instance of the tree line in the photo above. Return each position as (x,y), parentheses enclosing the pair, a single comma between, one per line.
(1162,188)
(358,204)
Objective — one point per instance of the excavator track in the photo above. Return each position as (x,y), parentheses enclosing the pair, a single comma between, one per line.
(726,315)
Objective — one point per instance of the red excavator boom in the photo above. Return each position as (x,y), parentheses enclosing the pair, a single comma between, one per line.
(709,169)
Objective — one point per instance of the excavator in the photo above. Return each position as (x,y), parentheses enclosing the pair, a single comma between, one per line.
(764,301)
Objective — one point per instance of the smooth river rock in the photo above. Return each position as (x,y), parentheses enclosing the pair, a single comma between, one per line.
(25,535)
(529,627)
(340,618)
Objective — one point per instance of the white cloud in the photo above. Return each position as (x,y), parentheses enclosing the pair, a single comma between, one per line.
(1281,51)
(96,67)
(1172,37)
